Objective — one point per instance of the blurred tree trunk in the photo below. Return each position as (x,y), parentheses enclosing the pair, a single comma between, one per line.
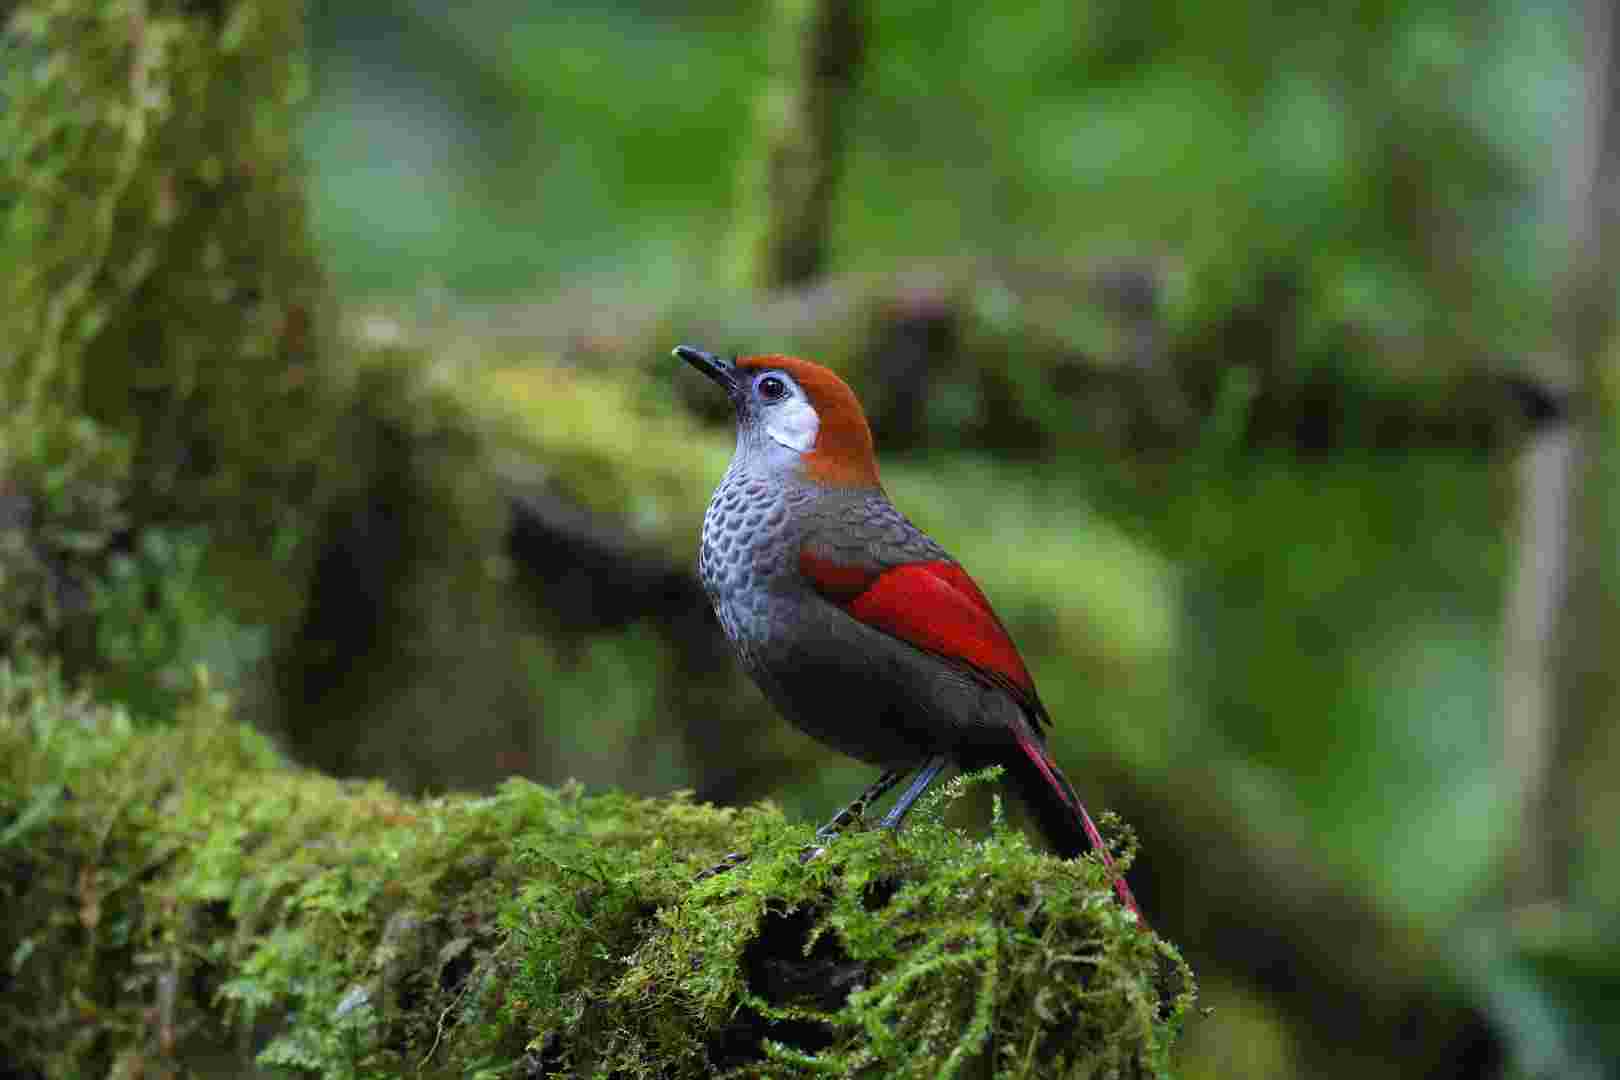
(1562,689)
(816,51)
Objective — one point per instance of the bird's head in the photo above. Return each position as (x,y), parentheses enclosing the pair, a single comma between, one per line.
(796,411)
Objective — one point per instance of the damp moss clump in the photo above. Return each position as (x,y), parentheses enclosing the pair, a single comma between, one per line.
(930,953)
(180,894)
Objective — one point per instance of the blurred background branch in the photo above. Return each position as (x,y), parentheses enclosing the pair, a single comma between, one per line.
(1559,698)
(802,117)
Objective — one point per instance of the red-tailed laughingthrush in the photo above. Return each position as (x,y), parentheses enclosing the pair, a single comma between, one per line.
(856,624)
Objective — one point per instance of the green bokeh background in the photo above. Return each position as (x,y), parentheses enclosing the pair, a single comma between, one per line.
(1261,575)
(1320,628)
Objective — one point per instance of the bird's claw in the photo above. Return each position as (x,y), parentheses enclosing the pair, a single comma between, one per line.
(735,859)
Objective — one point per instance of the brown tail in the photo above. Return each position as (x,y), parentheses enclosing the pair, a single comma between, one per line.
(1062,816)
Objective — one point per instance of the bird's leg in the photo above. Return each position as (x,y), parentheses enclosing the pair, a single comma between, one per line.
(902,806)
(857,809)
(841,821)
(853,812)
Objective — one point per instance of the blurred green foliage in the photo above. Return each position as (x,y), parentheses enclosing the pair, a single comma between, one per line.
(1394,159)
(1285,586)
(160,616)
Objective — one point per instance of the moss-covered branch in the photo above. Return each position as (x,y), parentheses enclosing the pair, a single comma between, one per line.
(167,893)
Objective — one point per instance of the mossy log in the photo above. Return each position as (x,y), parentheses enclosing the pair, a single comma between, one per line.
(170,893)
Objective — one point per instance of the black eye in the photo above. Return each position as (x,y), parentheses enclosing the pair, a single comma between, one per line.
(772,389)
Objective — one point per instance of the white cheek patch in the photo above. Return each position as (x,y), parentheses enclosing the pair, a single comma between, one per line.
(793,424)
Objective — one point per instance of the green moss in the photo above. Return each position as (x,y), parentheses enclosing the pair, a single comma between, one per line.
(163,889)
(155,271)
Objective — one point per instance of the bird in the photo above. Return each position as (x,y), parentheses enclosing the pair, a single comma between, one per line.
(855,624)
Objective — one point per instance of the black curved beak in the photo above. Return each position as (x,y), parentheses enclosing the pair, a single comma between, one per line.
(711,365)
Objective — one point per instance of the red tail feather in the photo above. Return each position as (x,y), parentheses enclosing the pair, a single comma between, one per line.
(1058,807)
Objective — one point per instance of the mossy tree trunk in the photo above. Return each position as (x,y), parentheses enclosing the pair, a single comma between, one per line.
(161,307)
(157,273)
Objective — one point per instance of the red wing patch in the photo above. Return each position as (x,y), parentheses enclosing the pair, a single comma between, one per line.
(836,581)
(932,605)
